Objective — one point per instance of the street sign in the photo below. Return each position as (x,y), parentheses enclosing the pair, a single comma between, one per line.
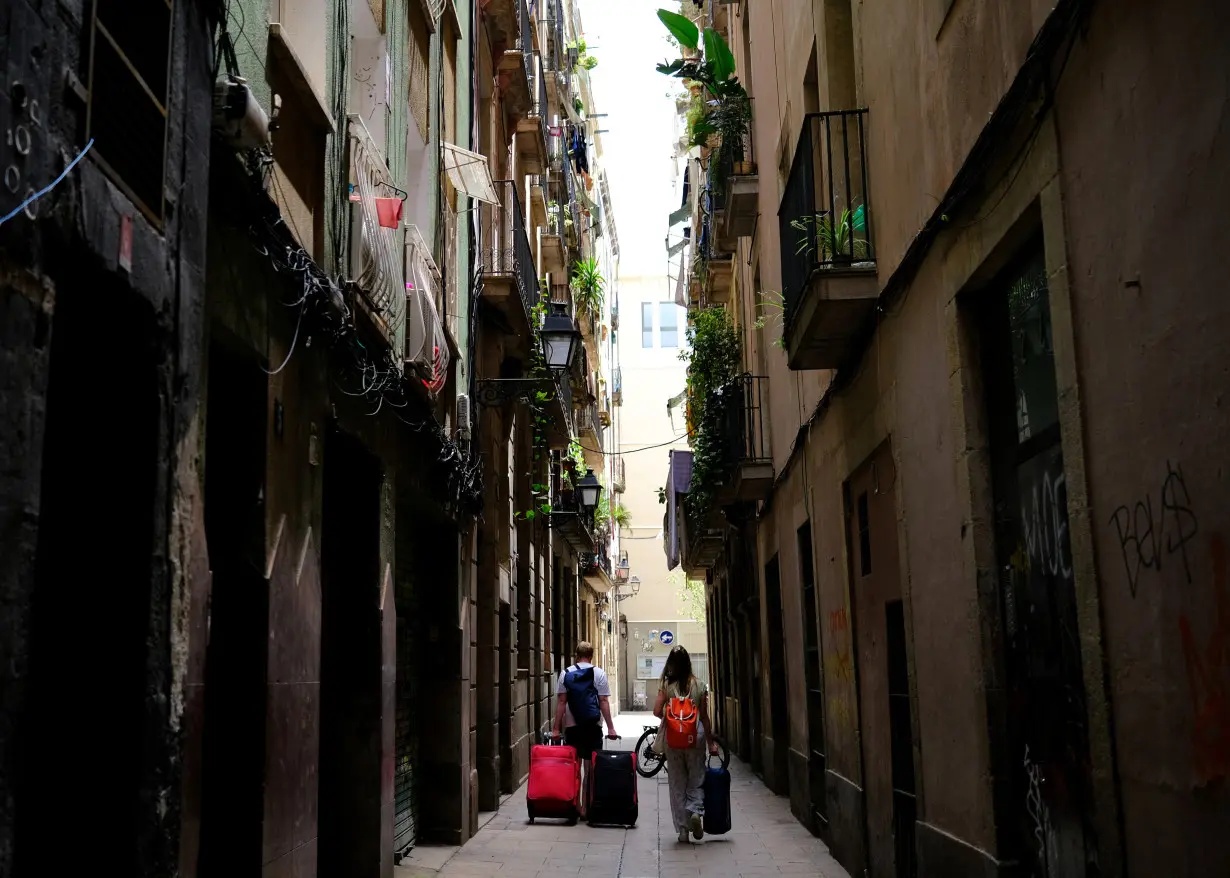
(667,638)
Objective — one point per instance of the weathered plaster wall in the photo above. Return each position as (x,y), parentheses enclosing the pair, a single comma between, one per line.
(77,231)
(1144,183)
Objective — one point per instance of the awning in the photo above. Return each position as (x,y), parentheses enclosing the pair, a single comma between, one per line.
(679,216)
(469,173)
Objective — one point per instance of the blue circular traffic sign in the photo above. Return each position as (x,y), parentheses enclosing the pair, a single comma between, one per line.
(667,638)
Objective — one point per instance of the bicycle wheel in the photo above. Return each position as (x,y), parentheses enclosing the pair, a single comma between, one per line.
(648,763)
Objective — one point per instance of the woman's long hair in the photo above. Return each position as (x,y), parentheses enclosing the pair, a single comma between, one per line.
(678,670)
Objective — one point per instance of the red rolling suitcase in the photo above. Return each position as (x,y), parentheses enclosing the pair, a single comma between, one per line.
(554,788)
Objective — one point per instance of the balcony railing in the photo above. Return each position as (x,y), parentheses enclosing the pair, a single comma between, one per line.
(427,350)
(539,76)
(825,216)
(568,519)
(617,382)
(376,257)
(506,248)
(618,482)
(587,421)
(525,38)
(743,408)
(734,418)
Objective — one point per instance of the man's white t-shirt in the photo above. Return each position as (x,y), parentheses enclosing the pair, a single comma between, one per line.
(600,682)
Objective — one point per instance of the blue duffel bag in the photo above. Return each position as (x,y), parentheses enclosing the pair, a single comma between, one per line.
(717,800)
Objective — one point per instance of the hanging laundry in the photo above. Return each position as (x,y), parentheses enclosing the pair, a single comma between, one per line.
(580,154)
(388,210)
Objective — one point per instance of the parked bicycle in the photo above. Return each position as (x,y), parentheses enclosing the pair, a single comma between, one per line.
(649,762)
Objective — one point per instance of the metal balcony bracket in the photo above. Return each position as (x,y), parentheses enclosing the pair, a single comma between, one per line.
(498,391)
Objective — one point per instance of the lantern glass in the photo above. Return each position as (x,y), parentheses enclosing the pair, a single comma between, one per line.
(560,340)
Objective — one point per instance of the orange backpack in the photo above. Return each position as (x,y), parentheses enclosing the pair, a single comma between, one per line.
(681,721)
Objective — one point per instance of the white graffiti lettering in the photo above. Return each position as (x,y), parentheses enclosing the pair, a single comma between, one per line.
(1035,806)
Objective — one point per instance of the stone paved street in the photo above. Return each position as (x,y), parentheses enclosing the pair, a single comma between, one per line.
(766,839)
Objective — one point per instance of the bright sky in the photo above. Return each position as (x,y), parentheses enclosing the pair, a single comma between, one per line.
(629,41)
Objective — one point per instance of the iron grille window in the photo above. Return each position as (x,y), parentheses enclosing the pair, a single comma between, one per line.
(129,75)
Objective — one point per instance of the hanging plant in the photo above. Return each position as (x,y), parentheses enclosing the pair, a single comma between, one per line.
(772,309)
(713,356)
(540,421)
(605,515)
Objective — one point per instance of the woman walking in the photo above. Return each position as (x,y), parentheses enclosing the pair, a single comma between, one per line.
(682,700)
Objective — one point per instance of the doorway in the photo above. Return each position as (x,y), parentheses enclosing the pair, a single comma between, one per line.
(85,718)
(881,654)
(233,759)
(778,772)
(813,671)
(1046,814)
(350,661)
(752,676)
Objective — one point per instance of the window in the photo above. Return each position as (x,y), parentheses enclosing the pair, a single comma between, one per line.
(669,318)
(646,324)
(129,90)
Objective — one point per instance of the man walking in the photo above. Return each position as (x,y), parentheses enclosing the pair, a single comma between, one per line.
(584,701)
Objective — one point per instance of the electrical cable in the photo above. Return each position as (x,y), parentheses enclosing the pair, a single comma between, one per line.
(293,341)
(53,184)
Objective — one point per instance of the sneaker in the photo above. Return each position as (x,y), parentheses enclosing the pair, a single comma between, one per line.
(683,835)
(698,831)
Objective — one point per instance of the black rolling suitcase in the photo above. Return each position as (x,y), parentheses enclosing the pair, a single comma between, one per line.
(612,789)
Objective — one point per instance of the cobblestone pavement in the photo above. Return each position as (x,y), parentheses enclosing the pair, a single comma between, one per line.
(765,840)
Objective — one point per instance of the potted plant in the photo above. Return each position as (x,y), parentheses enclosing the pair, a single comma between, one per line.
(838,243)
(588,287)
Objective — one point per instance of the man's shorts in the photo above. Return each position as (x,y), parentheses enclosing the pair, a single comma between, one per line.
(585,739)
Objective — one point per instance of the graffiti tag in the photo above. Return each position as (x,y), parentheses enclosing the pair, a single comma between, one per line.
(1035,806)
(1149,534)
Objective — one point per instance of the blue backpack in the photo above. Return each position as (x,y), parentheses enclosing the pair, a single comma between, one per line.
(582,695)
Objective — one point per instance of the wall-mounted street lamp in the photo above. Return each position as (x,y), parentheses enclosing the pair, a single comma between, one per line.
(561,342)
(590,491)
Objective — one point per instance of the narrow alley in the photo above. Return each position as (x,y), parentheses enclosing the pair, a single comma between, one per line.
(765,840)
(848,378)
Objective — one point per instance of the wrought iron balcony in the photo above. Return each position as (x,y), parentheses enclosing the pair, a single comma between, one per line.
(511,279)
(587,422)
(574,524)
(739,197)
(376,252)
(428,348)
(618,475)
(828,249)
(598,566)
(617,383)
(744,442)
(531,133)
(512,26)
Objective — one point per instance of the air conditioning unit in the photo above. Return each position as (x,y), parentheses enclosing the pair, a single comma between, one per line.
(463,417)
